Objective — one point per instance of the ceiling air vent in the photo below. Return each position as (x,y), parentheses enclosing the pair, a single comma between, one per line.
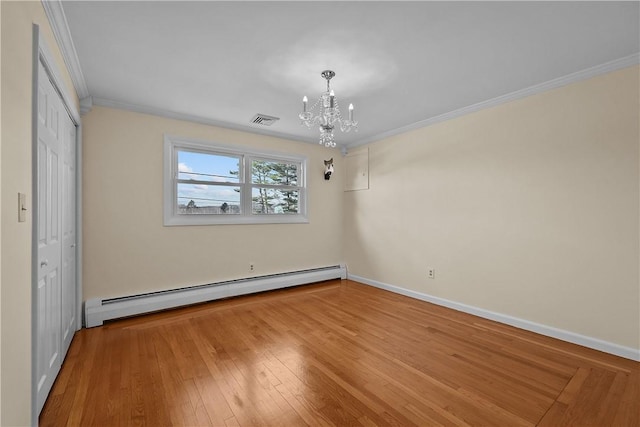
(263,119)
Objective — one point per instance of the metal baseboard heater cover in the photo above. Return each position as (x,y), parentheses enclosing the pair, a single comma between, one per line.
(97,310)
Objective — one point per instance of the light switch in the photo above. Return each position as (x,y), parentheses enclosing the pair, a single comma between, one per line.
(22,207)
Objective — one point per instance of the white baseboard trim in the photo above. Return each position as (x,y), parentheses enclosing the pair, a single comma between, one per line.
(572,337)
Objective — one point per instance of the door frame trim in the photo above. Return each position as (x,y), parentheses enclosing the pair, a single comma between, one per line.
(41,53)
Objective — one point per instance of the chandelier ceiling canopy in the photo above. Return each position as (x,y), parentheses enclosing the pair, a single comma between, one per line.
(325,113)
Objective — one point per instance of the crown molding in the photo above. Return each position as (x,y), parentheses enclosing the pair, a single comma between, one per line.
(585,74)
(60,27)
(58,21)
(86,104)
(104,102)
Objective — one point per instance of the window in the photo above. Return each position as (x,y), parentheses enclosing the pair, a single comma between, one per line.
(207,183)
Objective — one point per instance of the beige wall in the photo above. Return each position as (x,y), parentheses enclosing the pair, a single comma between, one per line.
(16,171)
(127,250)
(528,209)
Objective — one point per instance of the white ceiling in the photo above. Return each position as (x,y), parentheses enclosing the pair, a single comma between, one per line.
(399,63)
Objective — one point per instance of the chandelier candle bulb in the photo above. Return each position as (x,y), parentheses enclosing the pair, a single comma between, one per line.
(350,112)
(332,97)
(304,104)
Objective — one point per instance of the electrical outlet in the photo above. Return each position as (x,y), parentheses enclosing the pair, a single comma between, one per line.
(431,273)
(251,267)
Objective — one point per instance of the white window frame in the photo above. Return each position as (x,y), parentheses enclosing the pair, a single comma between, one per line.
(174,144)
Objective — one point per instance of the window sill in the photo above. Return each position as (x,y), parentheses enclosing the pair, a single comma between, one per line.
(235,220)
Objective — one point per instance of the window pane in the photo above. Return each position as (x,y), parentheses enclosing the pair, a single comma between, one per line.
(207,199)
(274,201)
(208,167)
(274,173)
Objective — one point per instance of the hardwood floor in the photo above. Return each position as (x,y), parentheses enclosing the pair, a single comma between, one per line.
(334,354)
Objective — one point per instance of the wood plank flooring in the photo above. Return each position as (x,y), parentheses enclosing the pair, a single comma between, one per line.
(337,353)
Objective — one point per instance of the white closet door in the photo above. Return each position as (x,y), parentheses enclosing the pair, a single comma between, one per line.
(56,235)
(69,304)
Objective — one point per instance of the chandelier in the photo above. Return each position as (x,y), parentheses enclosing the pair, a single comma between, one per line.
(326,113)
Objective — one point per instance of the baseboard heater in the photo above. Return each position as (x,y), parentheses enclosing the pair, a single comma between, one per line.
(97,310)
